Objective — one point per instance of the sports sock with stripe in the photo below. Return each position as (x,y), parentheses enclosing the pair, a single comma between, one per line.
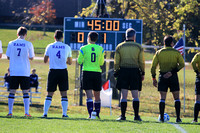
(64,103)
(162,108)
(136,104)
(177,107)
(97,105)
(11,99)
(89,106)
(26,103)
(47,104)
(196,109)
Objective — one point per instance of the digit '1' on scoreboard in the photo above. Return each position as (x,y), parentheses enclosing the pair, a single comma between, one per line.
(111,31)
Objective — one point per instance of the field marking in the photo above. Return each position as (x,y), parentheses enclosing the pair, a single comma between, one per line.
(178,127)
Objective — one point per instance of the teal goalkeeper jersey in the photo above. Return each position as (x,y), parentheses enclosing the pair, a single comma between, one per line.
(92,57)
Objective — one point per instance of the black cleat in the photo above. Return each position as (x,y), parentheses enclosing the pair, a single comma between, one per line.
(161,120)
(98,117)
(178,120)
(65,116)
(121,118)
(44,116)
(137,118)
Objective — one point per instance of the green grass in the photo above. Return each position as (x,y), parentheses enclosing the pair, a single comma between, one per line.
(149,99)
(79,123)
(36,37)
(149,96)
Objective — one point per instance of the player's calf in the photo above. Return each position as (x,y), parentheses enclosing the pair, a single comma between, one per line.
(11,98)
(64,103)
(47,104)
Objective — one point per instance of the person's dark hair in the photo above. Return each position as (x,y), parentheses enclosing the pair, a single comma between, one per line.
(130,32)
(168,40)
(21,31)
(93,36)
(58,34)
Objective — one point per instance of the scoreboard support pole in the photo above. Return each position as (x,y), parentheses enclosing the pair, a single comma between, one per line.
(77,81)
(81,89)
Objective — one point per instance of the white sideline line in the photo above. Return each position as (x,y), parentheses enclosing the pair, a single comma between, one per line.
(178,127)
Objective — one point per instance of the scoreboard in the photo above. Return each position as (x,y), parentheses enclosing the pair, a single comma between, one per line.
(111,31)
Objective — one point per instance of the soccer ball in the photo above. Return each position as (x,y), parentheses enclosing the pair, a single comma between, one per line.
(166,117)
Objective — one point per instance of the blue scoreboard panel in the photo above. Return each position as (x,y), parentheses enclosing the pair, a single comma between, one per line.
(111,31)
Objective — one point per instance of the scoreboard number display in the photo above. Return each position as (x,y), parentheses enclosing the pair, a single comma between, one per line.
(111,31)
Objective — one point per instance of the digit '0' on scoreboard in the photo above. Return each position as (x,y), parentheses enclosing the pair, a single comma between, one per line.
(111,31)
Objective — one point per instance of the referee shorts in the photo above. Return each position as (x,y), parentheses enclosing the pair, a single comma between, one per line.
(15,81)
(57,77)
(91,81)
(171,82)
(197,86)
(129,78)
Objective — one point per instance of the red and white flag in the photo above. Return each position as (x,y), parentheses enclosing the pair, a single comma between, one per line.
(106,85)
(106,96)
(180,46)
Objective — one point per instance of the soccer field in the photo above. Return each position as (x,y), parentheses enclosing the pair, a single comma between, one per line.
(149,99)
(79,123)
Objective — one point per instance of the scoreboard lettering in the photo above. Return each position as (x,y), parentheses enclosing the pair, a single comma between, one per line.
(111,31)
(107,25)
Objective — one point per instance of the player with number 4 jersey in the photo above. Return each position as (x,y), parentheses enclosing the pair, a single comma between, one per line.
(59,55)
(92,57)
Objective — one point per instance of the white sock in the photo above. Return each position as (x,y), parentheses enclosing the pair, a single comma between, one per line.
(10,104)
(47,104)
(26,105)
(64,107)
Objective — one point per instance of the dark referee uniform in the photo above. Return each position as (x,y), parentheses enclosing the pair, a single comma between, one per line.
(169,60)
(196,66)
(129,63)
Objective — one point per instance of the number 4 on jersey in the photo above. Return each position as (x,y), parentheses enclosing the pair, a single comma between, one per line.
(58,55)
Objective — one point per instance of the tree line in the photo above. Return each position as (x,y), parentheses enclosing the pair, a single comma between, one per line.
(160,17)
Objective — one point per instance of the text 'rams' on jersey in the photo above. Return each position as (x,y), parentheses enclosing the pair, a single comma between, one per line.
(58,53)
(19,51)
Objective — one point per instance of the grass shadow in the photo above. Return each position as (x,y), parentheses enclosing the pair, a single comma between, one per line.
(99,120)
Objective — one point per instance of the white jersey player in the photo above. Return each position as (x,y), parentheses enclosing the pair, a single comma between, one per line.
(1,50)
(19,52)
(59,55)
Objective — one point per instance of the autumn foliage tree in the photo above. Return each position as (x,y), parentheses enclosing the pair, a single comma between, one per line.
(42,13)
(160,17)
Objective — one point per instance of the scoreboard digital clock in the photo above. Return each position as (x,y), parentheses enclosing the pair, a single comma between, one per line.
(111,31)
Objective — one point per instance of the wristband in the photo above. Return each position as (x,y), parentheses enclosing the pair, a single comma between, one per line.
(153,78)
